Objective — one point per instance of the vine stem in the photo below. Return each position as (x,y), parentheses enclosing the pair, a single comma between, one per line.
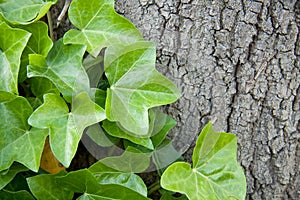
(63,12)
(154,187)
(50,25)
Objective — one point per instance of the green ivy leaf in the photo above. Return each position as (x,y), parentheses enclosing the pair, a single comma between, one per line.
(44,187)
(113,129)
(8,195)
(39,43)
(136,86)
(131,161)
(63,67)
(25,11)
(15,132)
(66,127)
(87,184)
(40,86)
(7,175)
(215,174)
(106,175)
(99,26)
(12,44)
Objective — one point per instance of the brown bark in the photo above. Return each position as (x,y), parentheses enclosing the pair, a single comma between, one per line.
(236,61)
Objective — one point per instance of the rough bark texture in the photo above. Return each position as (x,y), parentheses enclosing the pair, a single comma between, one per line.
(236,61)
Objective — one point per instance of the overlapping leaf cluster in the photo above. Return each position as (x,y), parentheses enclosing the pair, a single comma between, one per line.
(54,91)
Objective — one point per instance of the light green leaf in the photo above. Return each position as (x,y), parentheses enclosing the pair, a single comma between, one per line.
(63,67)
(87,184)
(7,175)
(136,86)
(25,11)
(12,44)
(99,26)
(66,127)
(34,102)
(8,195)
(15,132)
(215,174)
(113,129)
(44,187)
(39,43)
(106,175)
(132,160)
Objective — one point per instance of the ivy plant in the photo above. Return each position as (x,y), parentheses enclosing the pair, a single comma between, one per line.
(99,79)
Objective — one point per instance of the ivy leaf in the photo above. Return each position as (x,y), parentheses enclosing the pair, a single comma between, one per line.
(131,161)
(136,86)
(106,175)
(7,175)
(215,174)
(63,67)
(66,127)
(44,187)
(39,43)
(8,195)
(12,44)
(113,129)
(15,132)
(87,184)
(25,11)
(99,26)
(40,86)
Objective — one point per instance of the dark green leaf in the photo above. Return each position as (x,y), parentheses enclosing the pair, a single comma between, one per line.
(7,175)
(83,181)
(136,86)
(63,67)
(215,174)
(40,86)
(8,195)
(44,187)
(94,69)
(99,26)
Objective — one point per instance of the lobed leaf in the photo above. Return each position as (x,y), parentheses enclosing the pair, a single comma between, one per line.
(99,26)
(25,11)
(215,174)
(63,67)
(12,44)
(66,127)
(135,86)
(17,141)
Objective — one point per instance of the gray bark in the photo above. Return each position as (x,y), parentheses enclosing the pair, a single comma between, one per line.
(236,61)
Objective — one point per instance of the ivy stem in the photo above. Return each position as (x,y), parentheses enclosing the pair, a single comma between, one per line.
(63,12)
(50,25)
(154,187)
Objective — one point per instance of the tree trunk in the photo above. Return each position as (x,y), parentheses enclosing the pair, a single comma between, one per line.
(236,62)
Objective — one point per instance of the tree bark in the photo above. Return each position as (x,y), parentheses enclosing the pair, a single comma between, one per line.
(236,62)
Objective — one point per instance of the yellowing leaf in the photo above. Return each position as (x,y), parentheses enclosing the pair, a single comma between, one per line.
(48,161)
